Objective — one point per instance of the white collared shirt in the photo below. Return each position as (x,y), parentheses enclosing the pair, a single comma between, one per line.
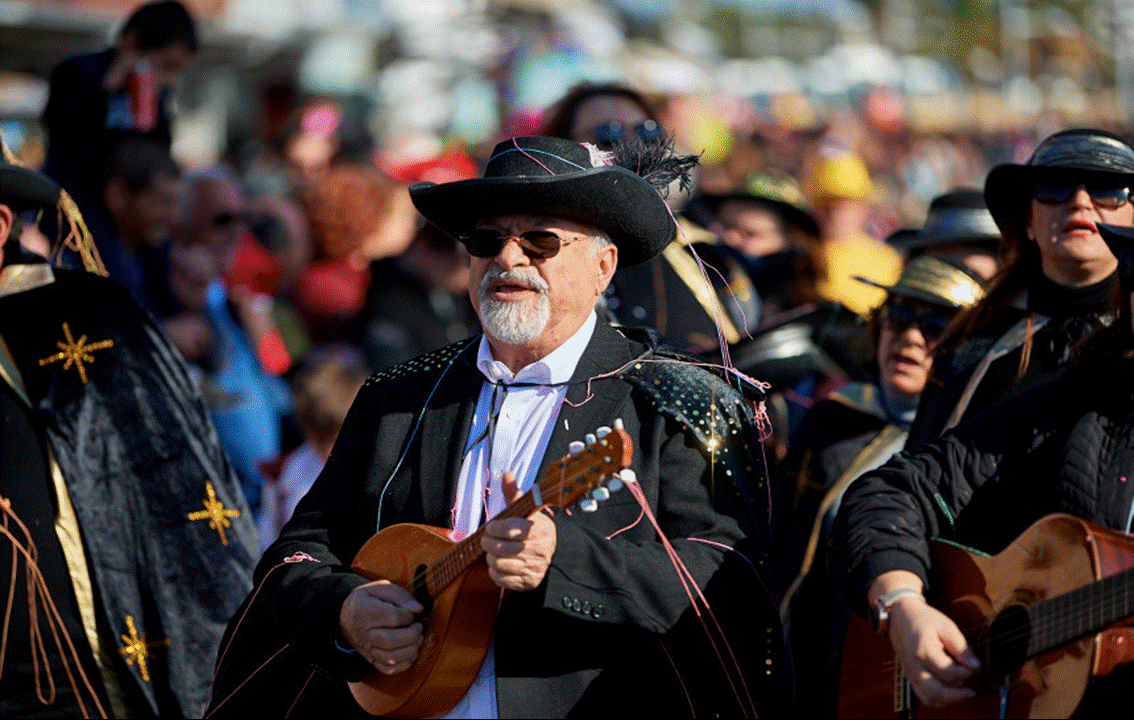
(528,406)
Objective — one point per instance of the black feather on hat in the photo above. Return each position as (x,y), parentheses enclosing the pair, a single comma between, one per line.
(617,192)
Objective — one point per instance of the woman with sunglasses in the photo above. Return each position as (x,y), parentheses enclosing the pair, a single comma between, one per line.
(856,429)
(1056,283)
(1066,447)
(668,293)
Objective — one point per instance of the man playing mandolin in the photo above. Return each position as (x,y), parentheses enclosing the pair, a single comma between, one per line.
(651,607)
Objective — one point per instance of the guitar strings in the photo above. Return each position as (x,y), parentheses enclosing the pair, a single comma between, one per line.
(1059,611)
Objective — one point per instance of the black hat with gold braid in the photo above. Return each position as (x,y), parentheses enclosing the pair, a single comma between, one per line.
(936,279)
(23,189)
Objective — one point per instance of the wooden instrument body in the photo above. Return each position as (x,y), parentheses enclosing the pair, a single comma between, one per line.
(1056,555)
(458,630)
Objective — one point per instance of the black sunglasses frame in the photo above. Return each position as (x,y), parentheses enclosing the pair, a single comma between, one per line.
(899,317)
(536,244)
(608,133)
(1105,195)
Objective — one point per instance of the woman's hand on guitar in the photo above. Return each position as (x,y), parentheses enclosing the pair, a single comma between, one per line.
(377,619)
(934,655)
(519,550)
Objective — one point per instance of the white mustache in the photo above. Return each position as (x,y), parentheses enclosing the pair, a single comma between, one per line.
(528,278)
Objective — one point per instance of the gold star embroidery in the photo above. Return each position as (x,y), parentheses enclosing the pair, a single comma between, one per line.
(136,649)
(215,512)
(75,352)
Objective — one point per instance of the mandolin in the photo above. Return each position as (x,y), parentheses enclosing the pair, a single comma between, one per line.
(1051,610)
(450,579)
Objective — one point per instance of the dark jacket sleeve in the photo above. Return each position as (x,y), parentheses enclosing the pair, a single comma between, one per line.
(304,577)
(888,515)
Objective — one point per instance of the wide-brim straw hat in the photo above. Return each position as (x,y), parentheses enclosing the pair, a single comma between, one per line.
(960,216)
(935,279)
(1065,155)
(556,178)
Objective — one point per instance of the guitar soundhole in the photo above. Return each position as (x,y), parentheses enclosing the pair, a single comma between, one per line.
(1008,636)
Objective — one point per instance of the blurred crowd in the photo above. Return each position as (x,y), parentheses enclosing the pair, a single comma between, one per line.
(297,266)
(830,260)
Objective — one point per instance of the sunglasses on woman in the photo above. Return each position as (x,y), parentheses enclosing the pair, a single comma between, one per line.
(899,317)
(1103,194)
(609,133)
(536,244)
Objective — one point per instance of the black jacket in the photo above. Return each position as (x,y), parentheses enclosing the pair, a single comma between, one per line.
(1067,446)
(551,660)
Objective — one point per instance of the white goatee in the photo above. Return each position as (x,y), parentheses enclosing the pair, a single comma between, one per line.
(514,322)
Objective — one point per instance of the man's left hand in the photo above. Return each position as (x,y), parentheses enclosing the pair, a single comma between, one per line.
(519,549)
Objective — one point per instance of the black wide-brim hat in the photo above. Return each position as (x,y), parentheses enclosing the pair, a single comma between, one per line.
(1063,156)
(22,189)
(790,214)
(935,279)
(560,178)
(960,216)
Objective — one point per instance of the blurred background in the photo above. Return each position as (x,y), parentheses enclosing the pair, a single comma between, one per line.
(260,212)
(409,77)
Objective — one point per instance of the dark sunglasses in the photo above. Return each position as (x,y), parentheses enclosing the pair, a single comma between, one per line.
(226,219)
(900,317)
(1103,195)
(611,132)
(536,244)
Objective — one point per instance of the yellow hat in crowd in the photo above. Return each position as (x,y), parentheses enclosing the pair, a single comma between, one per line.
(841,177)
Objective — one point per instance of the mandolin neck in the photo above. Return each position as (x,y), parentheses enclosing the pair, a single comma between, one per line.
(464,554)
(567,480)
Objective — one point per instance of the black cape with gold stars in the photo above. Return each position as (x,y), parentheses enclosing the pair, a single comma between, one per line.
(167,538)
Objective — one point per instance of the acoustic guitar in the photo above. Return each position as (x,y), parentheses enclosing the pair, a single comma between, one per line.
(450,579)
(1045,615)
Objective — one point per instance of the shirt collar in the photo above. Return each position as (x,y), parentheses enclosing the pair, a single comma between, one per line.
(556,367)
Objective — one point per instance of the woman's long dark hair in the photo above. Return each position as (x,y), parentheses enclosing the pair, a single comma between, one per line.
(1020,263)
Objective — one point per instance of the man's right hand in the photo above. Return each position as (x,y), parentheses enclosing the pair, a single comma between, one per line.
(377,620)
(933,653)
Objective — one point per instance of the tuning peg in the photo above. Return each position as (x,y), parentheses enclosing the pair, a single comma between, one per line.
(628,475)
(617,423)
(576,447)
(615,484)
(588,505)
(591,439)
(602,431)
(600,494)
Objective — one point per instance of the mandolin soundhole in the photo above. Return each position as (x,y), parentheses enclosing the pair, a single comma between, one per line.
(1007,646)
